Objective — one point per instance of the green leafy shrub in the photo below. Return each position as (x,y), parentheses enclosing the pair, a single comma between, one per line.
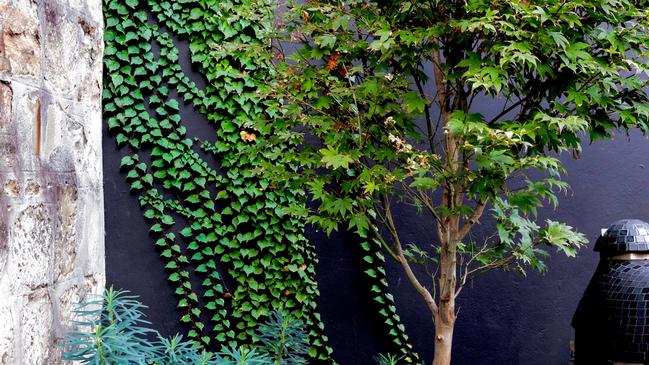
(112,331)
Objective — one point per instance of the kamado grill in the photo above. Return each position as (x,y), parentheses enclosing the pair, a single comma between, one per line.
(612,320)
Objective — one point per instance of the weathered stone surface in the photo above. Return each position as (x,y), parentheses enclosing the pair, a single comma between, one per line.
(65,246)
(12,188)
(7,152)
(89,9)
(7,127)
(4,235)
(90,256)
(35,328)
(29,253)
(72,40)
(5,64)
(27,119)
(20,37)
(62,49)
(51,197)
(7,333)
(6,97)
(84,139)
(54,139)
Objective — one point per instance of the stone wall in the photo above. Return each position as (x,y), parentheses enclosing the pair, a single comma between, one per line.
(51,195)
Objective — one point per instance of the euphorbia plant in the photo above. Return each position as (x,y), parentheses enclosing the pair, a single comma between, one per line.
(379,97)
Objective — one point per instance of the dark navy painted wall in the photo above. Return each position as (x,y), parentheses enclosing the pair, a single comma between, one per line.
(503,318)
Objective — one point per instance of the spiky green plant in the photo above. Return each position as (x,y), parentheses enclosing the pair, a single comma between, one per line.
(109,330)
(243,356)
(282,336)
(112,331)
(175,351)
(387,359)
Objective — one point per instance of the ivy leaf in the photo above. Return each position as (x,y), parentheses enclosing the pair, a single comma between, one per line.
(127,161)
(117,79)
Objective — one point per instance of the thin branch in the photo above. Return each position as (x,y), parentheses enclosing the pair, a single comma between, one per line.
(428,298)
(351,86)
(429,122)
(386,246)
(496,264)
(512,107)
(425,201)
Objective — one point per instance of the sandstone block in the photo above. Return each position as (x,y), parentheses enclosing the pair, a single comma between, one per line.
(6,98)
(65,244)
(27,119)
(7,333)
(90,217)
(29,248)
(36,324)
(64,64)
(20,37)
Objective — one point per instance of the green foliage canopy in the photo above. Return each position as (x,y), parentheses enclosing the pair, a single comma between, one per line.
(358,83)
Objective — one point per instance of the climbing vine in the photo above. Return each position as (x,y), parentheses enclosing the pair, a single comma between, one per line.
(231,250)
(224,226)
(374,270)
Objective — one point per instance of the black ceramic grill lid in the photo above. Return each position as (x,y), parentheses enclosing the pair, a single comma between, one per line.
(628,235)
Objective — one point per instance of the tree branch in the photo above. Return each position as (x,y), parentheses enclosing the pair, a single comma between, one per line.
(428,298)
(512,107)
(466,228)
(429,122)
(379,238)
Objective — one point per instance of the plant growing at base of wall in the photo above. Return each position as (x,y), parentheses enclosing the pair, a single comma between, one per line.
(284,340)
(112,331)
(380,96)
(388,359)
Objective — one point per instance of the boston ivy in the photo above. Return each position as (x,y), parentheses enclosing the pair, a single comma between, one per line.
(226,226)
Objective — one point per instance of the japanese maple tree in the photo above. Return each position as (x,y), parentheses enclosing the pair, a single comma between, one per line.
(378,98)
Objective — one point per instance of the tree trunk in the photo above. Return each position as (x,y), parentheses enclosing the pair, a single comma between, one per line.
(446,315)
(443,340)
(449,229)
